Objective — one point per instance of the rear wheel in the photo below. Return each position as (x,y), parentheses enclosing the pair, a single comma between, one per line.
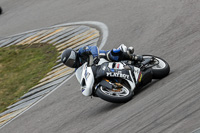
(160,69)
(119,95)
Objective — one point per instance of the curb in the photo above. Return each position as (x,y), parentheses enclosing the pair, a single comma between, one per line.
(73,35)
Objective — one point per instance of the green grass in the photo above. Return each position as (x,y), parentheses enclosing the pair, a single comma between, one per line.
(21,67)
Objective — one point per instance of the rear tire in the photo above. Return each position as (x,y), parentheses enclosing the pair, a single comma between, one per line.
(161,70)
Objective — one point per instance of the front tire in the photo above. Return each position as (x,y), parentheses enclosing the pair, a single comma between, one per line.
(160,70)
(114,96)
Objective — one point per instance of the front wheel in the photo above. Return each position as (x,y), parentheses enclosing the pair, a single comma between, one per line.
(160,69)
(120,95)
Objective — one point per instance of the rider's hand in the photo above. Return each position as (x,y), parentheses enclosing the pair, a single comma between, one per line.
(96,60)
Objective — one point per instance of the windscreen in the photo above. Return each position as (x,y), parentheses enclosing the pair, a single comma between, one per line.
(79,72)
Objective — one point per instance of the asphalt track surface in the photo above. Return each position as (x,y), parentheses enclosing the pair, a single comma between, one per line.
(167,28)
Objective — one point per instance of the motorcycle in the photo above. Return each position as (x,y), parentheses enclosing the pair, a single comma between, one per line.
(116,82)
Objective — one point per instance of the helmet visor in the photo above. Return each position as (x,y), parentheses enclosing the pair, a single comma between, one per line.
(71,60)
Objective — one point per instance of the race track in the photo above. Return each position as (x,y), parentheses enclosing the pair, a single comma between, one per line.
(167,28)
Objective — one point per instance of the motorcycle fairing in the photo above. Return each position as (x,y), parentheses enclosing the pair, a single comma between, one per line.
(85,76)
(109,70)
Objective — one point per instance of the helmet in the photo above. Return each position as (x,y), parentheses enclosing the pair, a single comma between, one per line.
(69,58)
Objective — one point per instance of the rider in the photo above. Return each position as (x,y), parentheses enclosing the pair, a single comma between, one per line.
(74,59)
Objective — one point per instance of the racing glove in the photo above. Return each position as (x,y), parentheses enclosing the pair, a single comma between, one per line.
(96,60)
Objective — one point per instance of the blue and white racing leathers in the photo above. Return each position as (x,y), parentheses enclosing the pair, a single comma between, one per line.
(111,55)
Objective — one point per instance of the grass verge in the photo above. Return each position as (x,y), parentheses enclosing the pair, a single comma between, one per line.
(21,67)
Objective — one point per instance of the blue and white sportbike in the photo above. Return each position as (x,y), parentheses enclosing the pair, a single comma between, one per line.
(117,81)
